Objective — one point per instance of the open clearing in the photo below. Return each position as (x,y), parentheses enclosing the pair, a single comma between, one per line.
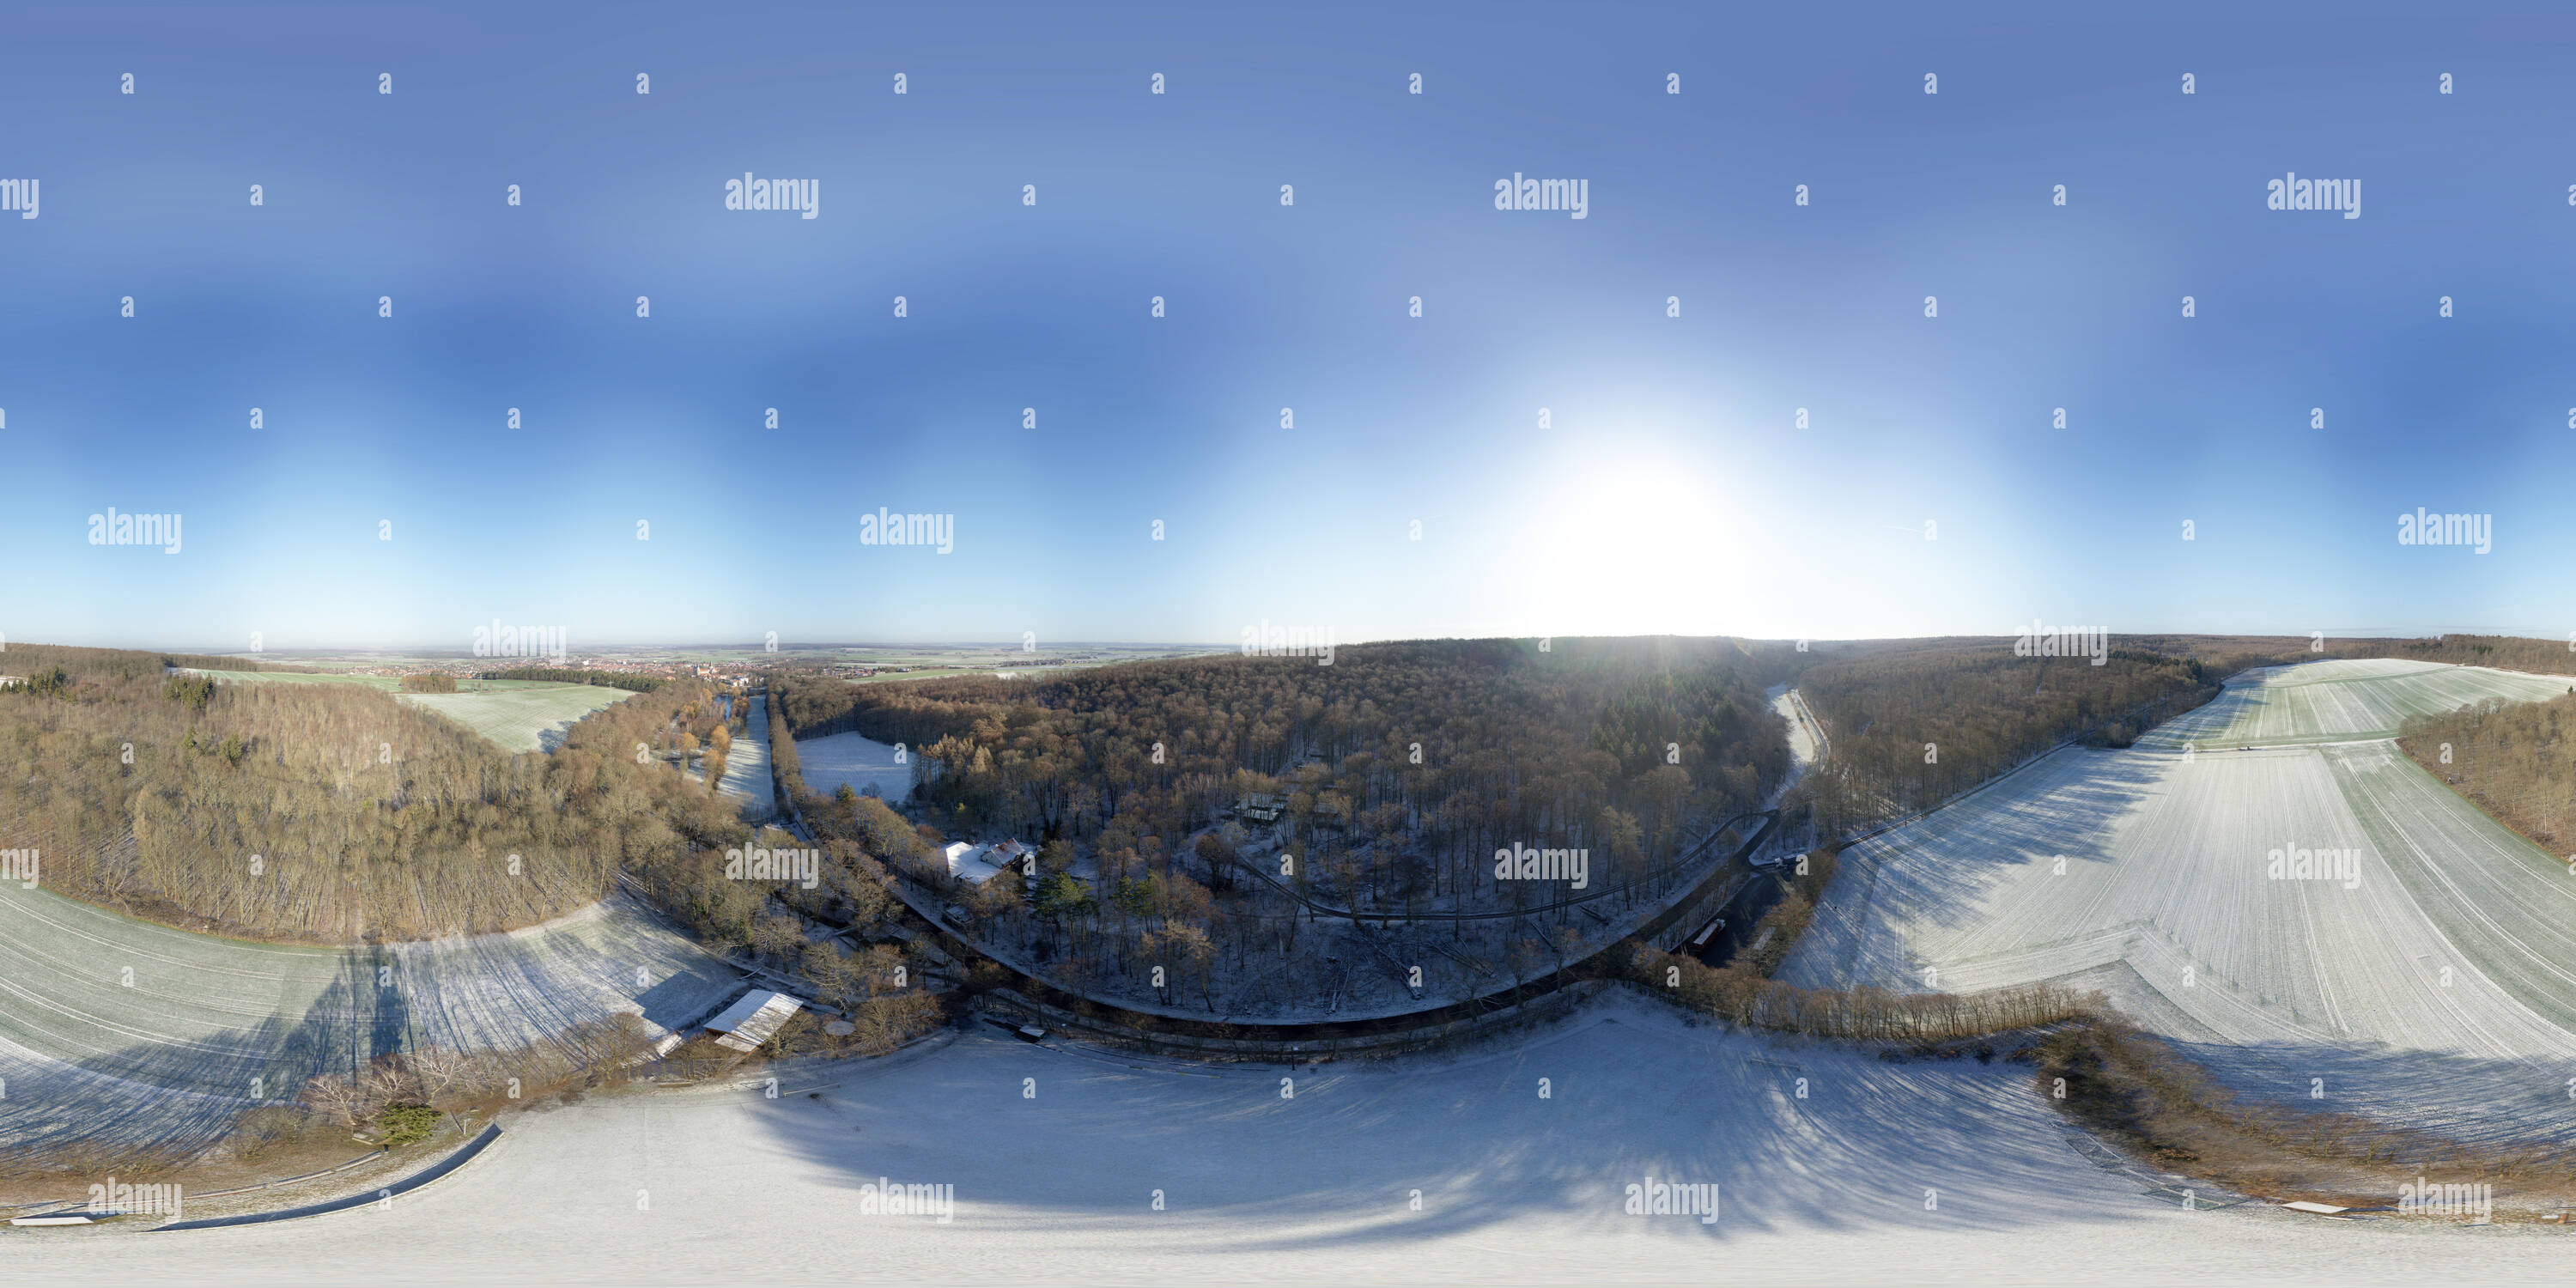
(168,1052)
(746,775)
(514,715)
(1883,1172)
(2432,983)
(854,759)
(388,683)
(535,718)
(2341,700)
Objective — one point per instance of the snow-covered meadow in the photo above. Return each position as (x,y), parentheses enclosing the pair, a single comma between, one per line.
(2342,700)
(2296,912)
(117,1029)
(860,762)
(1069,1165)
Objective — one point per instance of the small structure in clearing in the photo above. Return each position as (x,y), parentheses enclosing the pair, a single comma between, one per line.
(753,1020)
(973,864)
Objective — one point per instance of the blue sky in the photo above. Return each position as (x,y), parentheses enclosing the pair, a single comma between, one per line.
(1670,491)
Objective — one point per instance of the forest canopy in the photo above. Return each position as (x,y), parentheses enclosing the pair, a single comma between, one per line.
(1446,748)
(326,813)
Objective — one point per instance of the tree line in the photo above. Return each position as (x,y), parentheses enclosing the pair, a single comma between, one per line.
(575,675)
(328,813)
(1417,760)
(1914,724)
(2515,760)
(2504,652)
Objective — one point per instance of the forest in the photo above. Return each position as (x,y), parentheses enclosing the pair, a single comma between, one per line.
(2516,761)
(328,813)
(1415,760)
(1919,721)
(2504,652)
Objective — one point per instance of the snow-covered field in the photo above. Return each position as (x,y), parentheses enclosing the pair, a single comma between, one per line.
(1882,1173)
(2341,700)
(121,1029)
(529,719)
(2431,978)
(849,758)
(2434,980)
(746,775)
(1804,739)
(515,715)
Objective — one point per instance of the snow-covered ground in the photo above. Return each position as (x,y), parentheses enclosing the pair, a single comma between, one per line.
(117,1029)
(1882,1172)
(521,719)
(1802,739)
(2340,700)
(746,774)
(835,759)
(2433,982)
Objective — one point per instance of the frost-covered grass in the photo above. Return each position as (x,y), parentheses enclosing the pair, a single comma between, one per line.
(746,775)
(2341,700)
(858,761)
(388,683)
(2436,987)
(514,715)
(534,718)
(123,1030)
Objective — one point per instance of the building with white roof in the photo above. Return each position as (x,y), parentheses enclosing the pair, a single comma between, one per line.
(973,864)
(753,1020)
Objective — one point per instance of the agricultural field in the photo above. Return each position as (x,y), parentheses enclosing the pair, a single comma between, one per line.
(932,661)
(531,718)
(122,1031)
(1878,1171)
(856,760)
(2429,978)
(2340,701)
(514,715)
